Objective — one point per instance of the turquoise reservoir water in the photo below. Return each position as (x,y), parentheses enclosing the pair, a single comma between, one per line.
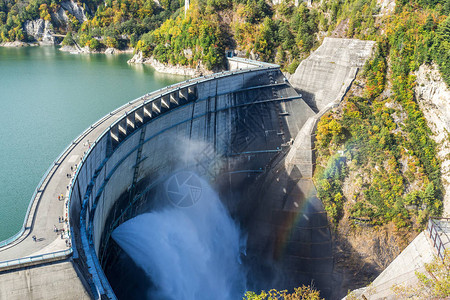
(47,98)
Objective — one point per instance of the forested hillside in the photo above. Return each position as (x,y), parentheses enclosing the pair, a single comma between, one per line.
(377,170)
(281,33)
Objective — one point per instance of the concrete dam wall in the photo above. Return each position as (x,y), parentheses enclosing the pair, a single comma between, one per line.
(233,129)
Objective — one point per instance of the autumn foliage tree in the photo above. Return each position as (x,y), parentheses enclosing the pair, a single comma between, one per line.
(300,293)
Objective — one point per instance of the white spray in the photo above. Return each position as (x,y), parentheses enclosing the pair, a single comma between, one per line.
(190,248)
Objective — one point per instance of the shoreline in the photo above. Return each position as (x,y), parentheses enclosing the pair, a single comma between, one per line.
(160,67)
(85,50)
(71,49)
(135,59)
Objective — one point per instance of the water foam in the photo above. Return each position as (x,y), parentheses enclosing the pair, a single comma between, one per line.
(189,251)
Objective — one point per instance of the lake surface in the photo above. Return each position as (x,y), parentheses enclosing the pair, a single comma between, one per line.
(47,98)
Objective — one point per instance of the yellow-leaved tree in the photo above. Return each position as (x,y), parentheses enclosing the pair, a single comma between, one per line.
(300,293)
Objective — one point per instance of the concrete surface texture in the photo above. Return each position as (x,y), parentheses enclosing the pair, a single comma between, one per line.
(290,225)
(322,76)
(58,281)
(442,229)
(301,154)
(237,63)
(427,246)
(51,281)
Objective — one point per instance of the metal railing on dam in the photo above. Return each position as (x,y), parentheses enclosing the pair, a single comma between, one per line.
(439,230)
(35,260)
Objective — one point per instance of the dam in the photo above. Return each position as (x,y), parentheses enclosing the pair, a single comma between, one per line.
(235,127)
(247,132)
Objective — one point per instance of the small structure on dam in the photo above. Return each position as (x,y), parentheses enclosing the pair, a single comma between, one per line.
(247,133)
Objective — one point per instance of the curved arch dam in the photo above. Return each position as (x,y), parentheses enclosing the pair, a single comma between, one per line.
(234,130)
(247,133)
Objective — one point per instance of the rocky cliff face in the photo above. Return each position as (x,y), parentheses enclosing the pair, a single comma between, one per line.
(433,96)
(61,19)
(75,10)
(387,7)
(41,31)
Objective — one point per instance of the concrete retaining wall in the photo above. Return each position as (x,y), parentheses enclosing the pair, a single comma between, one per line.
(327,71)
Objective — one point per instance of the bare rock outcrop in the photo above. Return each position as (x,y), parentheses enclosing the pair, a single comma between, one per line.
(71,49)
(61,19)
(75,10)
(40,30)
(111,51)
(433,96)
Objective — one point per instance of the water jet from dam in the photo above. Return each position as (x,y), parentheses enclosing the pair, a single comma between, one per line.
(189,247)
